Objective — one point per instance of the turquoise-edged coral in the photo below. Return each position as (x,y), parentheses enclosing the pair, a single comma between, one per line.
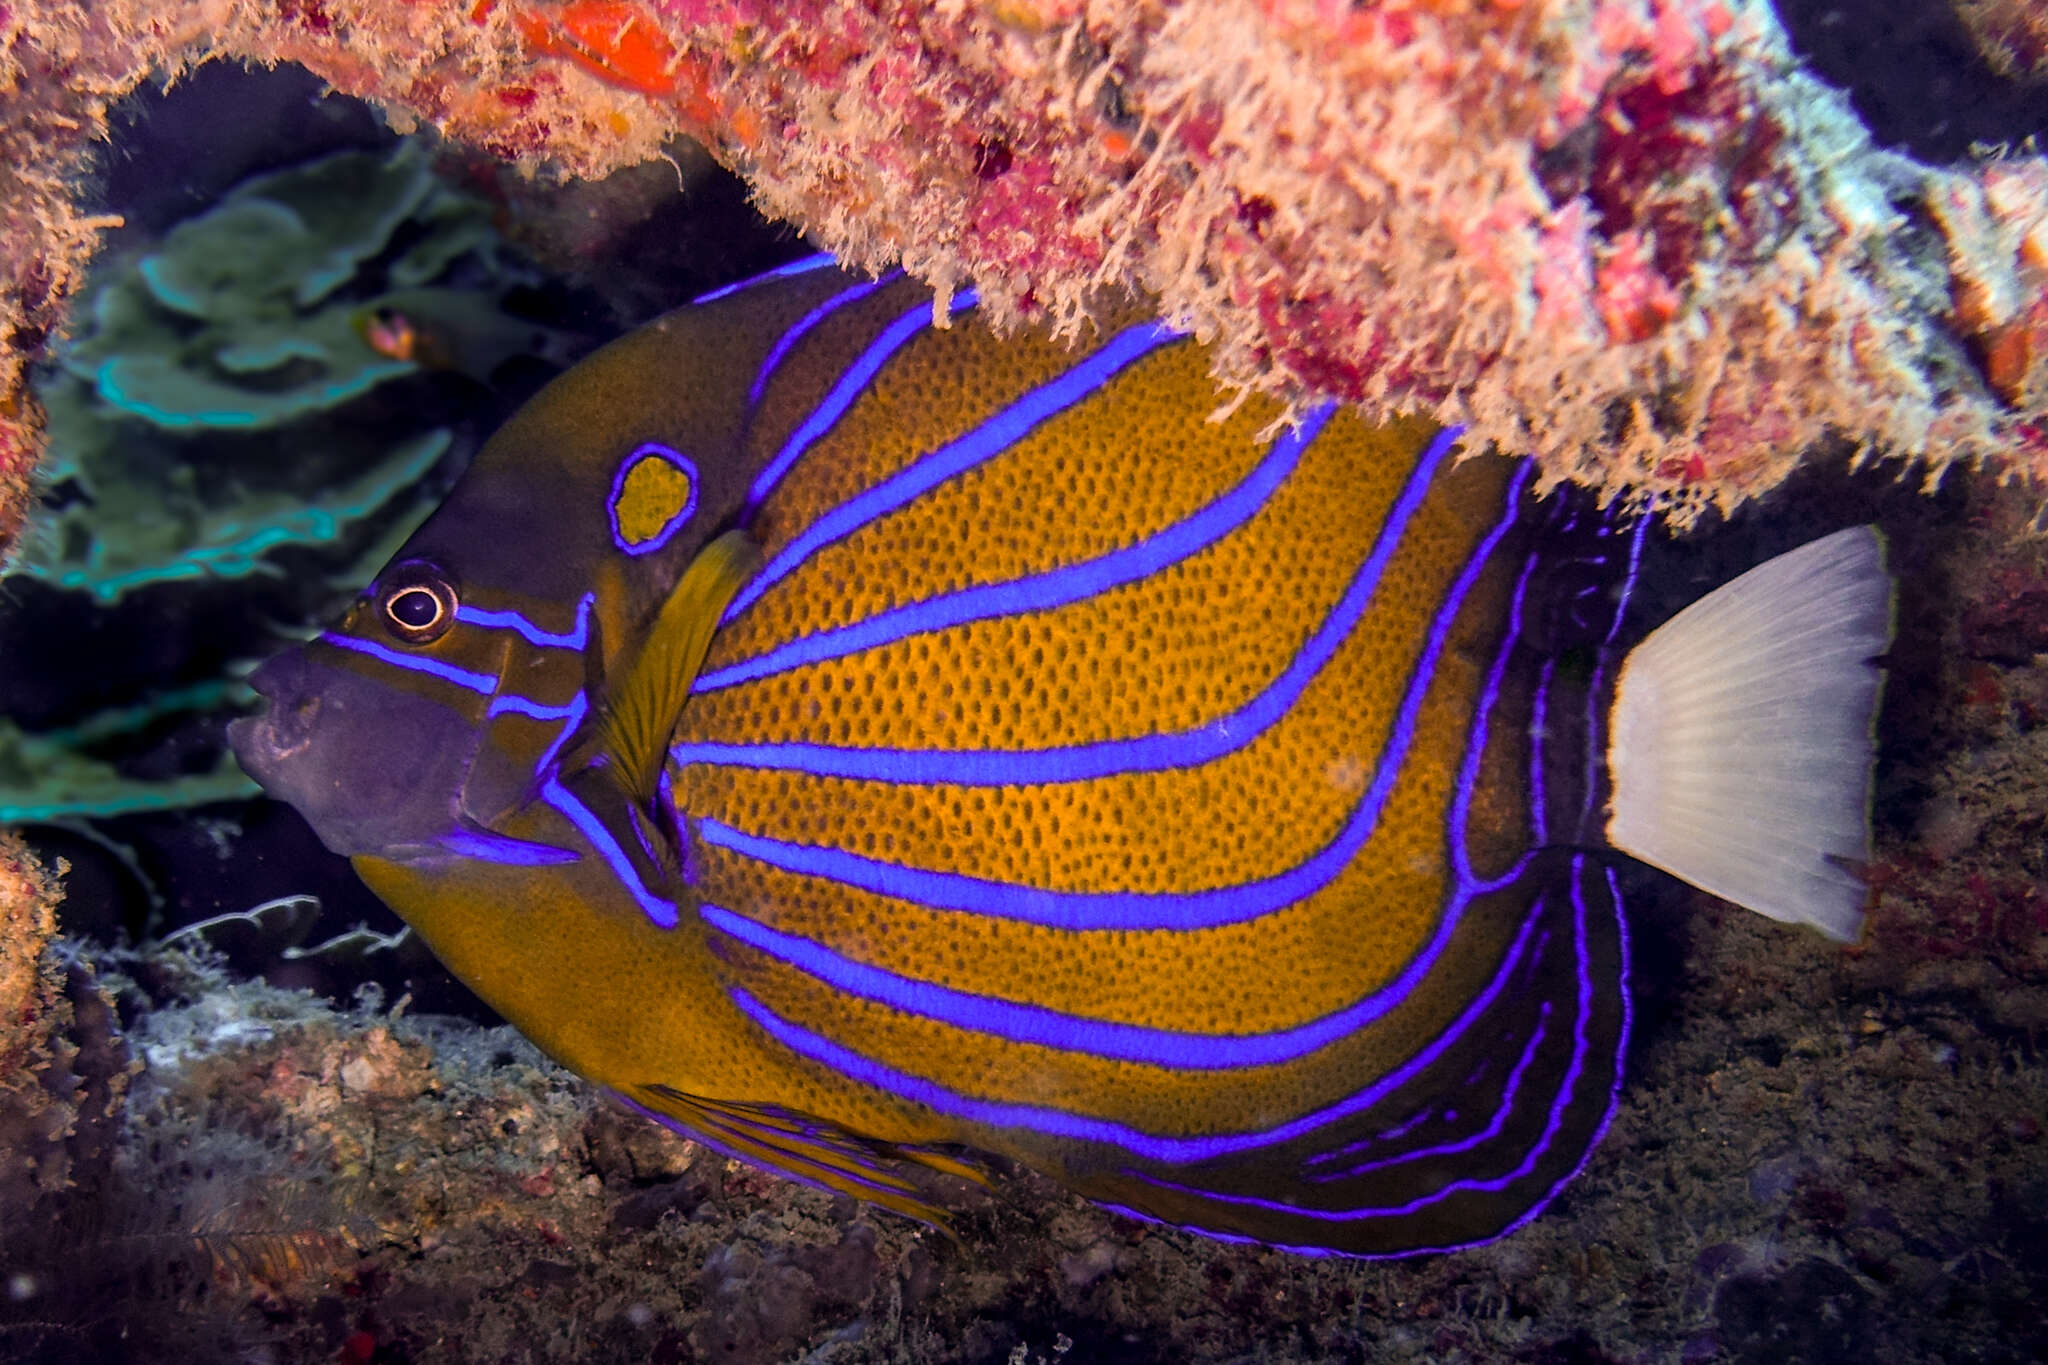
(238,427)
(188,414)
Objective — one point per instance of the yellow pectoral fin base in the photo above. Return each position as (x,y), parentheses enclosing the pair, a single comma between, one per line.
(644,698)
(912,1181)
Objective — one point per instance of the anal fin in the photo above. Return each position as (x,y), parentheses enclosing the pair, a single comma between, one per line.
(912,1181)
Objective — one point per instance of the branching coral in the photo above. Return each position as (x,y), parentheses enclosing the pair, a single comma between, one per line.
(1628,236)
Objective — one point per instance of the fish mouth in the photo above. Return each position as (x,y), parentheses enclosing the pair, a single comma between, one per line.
(373,769)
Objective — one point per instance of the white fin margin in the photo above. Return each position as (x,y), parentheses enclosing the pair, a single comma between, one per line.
(1741,743)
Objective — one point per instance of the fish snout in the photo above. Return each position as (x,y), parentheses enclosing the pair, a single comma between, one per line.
(373,768)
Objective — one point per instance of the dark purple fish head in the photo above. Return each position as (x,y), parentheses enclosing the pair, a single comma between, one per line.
(372,767)
(431,713)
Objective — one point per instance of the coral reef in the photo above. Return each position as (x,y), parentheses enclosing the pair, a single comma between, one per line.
(63,1067)
(300,313)
(246,329)
(1632,237)
(2012,33)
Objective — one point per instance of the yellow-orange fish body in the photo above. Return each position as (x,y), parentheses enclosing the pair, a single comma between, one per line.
(854,740)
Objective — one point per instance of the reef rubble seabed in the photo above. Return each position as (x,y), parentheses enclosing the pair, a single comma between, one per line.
(1633,238)
(1821,1155)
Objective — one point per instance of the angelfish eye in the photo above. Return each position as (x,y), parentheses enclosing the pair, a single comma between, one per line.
(416,602)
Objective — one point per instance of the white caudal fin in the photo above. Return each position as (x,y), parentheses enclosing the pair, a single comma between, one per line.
(1741,734)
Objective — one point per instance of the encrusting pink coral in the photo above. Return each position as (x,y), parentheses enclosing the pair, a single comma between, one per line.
(1629,237)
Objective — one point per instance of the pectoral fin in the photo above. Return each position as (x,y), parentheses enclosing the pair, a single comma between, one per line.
(645,687)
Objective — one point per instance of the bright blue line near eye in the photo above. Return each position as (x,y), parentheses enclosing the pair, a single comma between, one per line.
(849,387)
(994,436)
(512,704)
(1147,1146)
(482,683)
(669,455)
(1553,1123)
(1042,1027)
(803,265)
(1055,588)
(788,340)
(498,848)
(1145,753)
(576,637)
(662,912)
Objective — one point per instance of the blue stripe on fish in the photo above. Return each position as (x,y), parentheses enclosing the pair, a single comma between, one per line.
(1060,1123)
(851,384)
(1033,1024)
(1206,909)
(1146,753)
(802,265)
(785,343)
(1039,592)
(1553,1123)
(469,679)
(984,442)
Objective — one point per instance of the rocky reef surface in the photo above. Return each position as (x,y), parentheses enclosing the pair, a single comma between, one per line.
(1635,239)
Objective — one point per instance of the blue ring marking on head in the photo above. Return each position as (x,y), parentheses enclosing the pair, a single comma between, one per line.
(663,912)
(986,441)
(1115,757)
(850,385)
(803,326)
(499,848)
(482,683)
(650,450)
(1041,1027)
(1134,909)
(1553,1122)
(802,265)
(1086,1128)
(576,637)
(1039,592)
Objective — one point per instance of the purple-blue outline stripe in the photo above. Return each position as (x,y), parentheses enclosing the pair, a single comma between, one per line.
(662,911)
(802,265)
(1039,1026)
(851,384)
(1553,1122)
(1144,753)
(991,438)
(576,637)
(1081,1127)
(1039,592)
(674,459)
(482,683)
(785,343)
(1206,909)
(1464,1144)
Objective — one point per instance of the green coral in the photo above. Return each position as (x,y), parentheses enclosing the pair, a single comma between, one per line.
(187,419)
(239,415)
